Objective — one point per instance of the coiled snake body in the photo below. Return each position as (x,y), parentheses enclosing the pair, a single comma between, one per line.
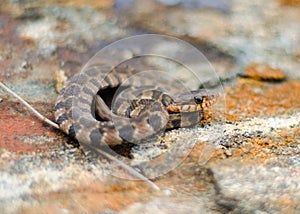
(85,109)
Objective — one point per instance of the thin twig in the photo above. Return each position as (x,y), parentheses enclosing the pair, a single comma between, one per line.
(131,170)
(35,112)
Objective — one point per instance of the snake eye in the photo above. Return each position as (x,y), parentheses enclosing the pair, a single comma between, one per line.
(198,99)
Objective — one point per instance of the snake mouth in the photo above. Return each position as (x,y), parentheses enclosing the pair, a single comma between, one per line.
(178,108)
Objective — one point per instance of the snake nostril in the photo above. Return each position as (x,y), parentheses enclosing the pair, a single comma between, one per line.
(198,99)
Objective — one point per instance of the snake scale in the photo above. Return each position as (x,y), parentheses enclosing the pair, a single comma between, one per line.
(84,106)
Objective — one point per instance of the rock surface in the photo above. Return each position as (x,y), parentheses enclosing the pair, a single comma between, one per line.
(246,160)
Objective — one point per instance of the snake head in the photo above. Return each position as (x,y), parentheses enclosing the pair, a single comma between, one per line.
(192,101)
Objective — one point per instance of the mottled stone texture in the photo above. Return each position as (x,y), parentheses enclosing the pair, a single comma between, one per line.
(255,166)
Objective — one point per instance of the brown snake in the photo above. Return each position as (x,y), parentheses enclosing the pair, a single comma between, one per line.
(150,111)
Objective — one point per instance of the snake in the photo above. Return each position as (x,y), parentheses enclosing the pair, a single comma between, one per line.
(86,108)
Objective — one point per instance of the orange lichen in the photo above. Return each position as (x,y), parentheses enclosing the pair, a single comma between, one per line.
(88,195)
(290,2)
(252,98)
(264,72)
